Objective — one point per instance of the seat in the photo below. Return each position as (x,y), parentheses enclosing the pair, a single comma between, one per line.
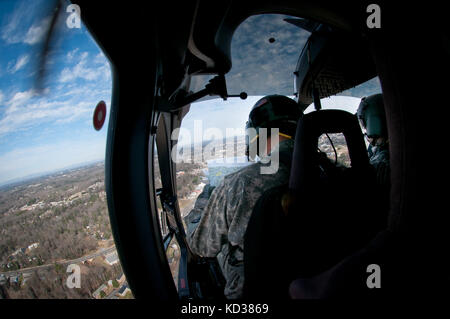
(322,215)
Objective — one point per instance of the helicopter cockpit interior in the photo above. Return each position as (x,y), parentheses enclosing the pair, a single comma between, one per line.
(195,39)
(166,57)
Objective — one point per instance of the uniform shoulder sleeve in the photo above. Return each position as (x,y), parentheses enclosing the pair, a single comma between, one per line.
(212,229)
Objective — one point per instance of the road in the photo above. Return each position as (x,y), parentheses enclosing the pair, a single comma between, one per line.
(26,271)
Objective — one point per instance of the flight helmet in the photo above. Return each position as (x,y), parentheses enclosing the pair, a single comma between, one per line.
(272,111)
(372,116)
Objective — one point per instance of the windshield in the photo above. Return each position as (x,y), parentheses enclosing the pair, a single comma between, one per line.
(265,49)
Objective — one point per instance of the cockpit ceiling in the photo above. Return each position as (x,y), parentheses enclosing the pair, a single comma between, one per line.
(212,33)
(269,55)
(262,51)
(265,50)
(216,22)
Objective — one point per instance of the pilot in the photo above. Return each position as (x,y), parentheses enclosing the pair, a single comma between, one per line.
(372,117)
(221,228)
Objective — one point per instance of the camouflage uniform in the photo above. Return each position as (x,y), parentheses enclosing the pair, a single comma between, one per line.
(195,214)
(379,159)
(220,231)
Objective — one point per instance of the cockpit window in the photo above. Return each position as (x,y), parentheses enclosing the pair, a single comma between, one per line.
(55,234)
(264,50)
(349,100)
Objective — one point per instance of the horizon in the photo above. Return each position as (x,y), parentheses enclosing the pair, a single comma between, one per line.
(28,178)
(332,102)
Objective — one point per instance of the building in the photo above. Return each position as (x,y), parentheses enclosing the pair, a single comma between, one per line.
(200,186)
(97,294)
(19,251)
(121,278)
(77,195)
(112,259)
(123,290)
(33,246)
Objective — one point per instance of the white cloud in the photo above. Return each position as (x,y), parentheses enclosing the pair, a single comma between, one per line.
(37,31)
(15,28)
(87,70)
(10,30)
(26,110)
(19,99)
(69,102)
(100,58)
(20,63)
(2,96)
(31,115)
(71,54)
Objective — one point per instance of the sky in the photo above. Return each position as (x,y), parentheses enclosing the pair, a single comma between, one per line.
(233,114)
(53,130)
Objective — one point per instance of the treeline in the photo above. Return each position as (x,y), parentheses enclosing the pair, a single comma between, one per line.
(188,177)
(63,232)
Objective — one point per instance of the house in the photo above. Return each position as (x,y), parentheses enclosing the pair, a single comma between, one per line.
(102,195)
(192,195)
(75,196)
(33,246)
(112,259)
(97,294)
(121,278)
(200,186)
(18,251)
(123,290)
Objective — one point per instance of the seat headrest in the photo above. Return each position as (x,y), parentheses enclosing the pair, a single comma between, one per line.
(309,128)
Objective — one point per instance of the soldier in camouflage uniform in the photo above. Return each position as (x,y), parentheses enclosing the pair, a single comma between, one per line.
(372,117)
(221,228)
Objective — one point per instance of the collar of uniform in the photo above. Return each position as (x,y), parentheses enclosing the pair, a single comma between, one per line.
(285,146)
(379,148)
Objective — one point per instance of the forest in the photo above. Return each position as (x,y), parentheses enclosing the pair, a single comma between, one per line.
(60,217)
(68,221)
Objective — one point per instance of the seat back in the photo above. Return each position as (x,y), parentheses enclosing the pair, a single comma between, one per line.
(309,129)
(317,219)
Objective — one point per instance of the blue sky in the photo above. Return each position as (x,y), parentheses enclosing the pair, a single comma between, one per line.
(42,132)
(53,130)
